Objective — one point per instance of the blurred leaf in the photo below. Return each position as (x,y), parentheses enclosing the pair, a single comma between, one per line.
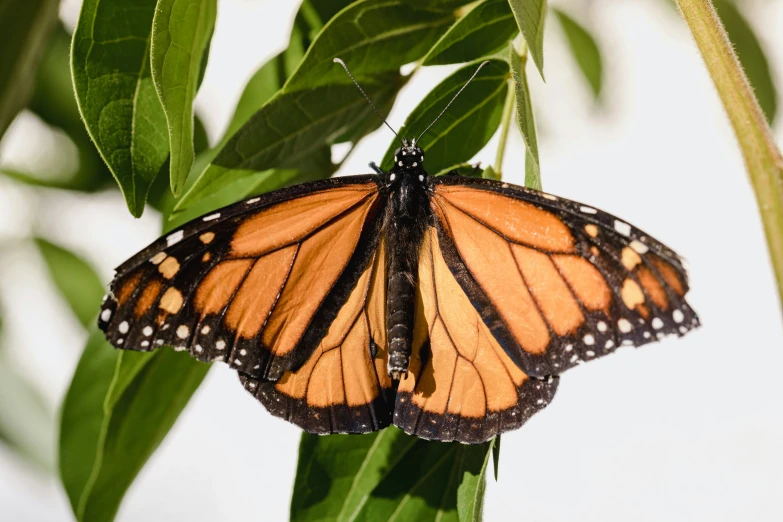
(182,30)
(489,173)
(485,29)
(526,121)
(463,169)
(26,423)
(75,279)
(438,4)
(584,49)
(751,55)
(530,16)
(467,126)
(387,475)
(371,36)
(53,101)
(286,132)
(115,93)
(25,27)
(118,409)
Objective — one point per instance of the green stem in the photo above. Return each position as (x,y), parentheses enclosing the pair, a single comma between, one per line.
(763,160)
(505,125)
(508,114)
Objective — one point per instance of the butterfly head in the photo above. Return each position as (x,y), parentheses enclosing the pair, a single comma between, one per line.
(409,156)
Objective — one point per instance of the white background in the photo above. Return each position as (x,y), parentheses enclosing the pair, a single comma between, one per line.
(688,429)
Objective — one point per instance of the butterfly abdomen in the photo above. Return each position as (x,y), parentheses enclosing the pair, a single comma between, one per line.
(406,219)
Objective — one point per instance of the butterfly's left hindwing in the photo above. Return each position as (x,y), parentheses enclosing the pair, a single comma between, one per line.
(557,282)
(256,284)
(343,387)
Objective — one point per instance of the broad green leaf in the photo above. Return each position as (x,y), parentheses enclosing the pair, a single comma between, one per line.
(25,27)
(751,55)
(75,279)
(115,93)
(429,481)
(484,29)
(466,126)
(439,4)
(584,49)
(530,16)
(53,101)
(489,173)
(464,169)
(118,409)
(371,36)
(387,476)
(287,131)
(526,121)
(310,19)
(181,33)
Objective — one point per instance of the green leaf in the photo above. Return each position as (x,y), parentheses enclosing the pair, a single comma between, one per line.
(751,54)
(287,131)
(53,101)
(464,169)
(118,409)
(387,476)
(181,33)
(25,28)
(438,4)
(526,121)
(76,280)
(485,29)
(26,423)
(467,125)
(530,16)
(371,36)
(584,49)
(116,96)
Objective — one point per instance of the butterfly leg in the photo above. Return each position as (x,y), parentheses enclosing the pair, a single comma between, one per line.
(376,168)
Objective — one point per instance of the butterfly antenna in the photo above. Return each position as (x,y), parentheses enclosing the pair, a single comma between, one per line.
(337,60)
(452,101)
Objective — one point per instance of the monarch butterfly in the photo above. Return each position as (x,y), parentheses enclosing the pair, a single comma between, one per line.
(447,306)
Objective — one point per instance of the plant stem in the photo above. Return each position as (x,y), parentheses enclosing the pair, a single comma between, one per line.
(763,160)
(508,114)
(505,125)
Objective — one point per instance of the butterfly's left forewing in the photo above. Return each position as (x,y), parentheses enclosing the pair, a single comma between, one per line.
(256,284)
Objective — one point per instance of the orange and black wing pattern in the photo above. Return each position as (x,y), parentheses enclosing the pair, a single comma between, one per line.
(256,284)
(343,387)
(556,282)
(461,385)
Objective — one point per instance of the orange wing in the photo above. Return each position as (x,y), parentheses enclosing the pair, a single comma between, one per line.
(252,284)
(557,282)
(461,384)
(343,387)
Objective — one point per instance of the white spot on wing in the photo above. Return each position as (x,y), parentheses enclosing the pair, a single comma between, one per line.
(624,325)
(147,331)
(183,331)
(588,210)
(158,258)
(106,315)
(123,328)
(220,344)
(589,340)
(211,217)
(174,238)
(639,247)
(657,323)
(622,227)
(253,200)
(678,316)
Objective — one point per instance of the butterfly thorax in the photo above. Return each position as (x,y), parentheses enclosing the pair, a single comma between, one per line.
(407,217)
